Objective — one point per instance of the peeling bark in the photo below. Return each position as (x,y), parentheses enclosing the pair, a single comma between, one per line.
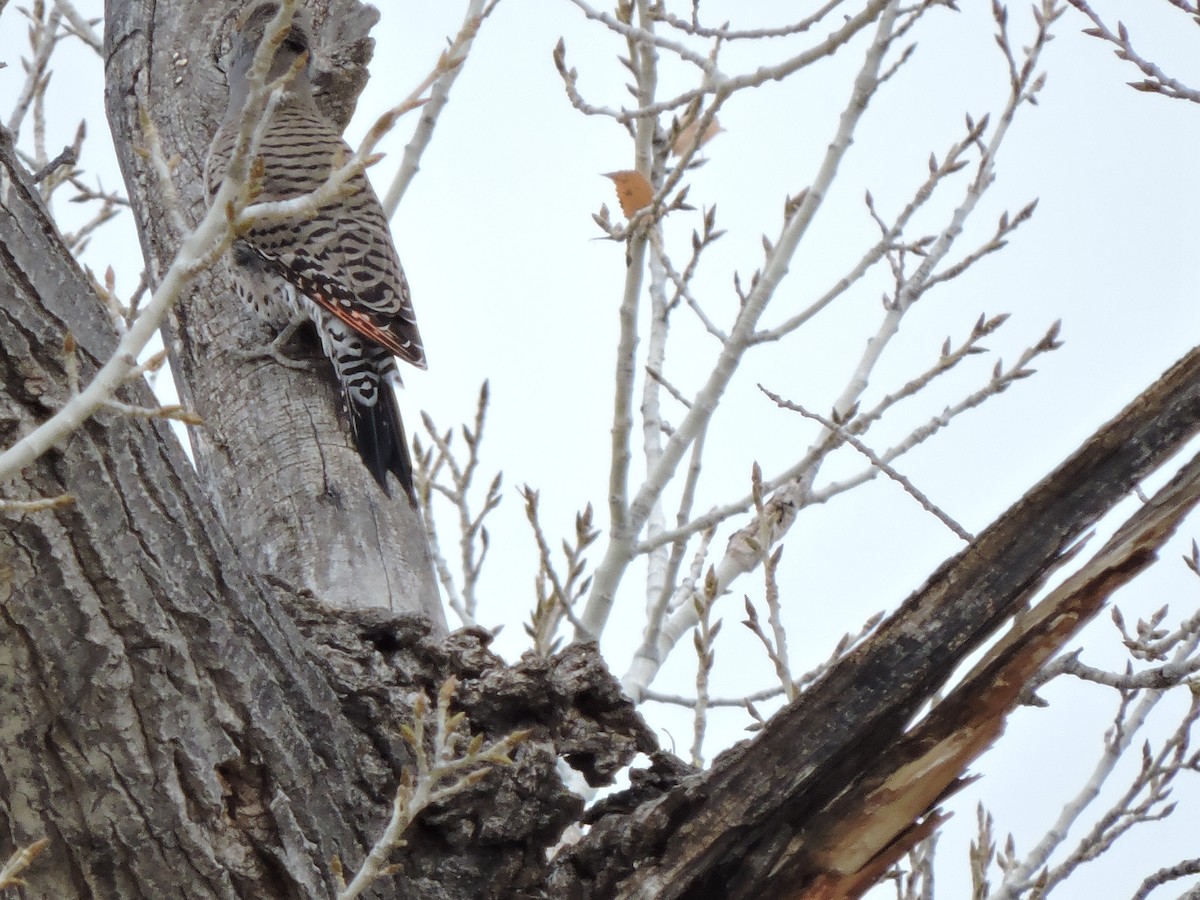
(775,815)
(185,713)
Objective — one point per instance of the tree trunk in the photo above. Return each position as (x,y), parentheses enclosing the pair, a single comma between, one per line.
(145,675)
(274,451)
(175,728)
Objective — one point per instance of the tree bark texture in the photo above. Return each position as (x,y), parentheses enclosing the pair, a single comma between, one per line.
(274,450)
(138,658)
(174,727)
(773,817)
(185,714)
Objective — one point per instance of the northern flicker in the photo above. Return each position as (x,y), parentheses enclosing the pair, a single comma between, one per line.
(337,268)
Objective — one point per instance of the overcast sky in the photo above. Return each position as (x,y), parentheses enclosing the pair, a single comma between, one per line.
(511,284)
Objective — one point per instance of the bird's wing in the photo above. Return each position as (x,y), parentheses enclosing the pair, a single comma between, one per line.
(343,257)
(395,331)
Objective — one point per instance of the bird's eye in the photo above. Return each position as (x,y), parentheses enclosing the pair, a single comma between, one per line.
(296,46)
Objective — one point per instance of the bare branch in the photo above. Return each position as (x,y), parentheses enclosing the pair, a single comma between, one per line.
(1156,81)
(703,640)
(19,861)
(455,764)
(726,33)
(439,95)
(626,528)
(43,36)
(876,461)
(82,28)
(473,540)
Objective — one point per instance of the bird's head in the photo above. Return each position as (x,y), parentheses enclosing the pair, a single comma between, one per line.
(249,31)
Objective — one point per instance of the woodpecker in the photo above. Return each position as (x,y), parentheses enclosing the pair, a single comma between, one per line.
(338,268)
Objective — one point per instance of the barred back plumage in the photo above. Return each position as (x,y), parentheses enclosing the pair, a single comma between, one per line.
(337,268)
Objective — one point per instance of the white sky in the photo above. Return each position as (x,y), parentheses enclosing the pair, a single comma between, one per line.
(510,284)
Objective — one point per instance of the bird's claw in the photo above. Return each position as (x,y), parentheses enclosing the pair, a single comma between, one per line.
(273,350)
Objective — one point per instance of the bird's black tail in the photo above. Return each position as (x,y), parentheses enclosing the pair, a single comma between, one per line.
(379,435)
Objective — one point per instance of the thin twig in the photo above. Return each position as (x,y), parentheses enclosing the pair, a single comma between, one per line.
(911,489)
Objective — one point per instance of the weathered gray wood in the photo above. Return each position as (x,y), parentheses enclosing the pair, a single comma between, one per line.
(274,451)
(175,732)
(171,728)
(145,675)
(739,831)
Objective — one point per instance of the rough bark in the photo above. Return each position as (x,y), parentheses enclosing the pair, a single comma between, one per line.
(138,657)
(275,451)
(175,728)
(766,820)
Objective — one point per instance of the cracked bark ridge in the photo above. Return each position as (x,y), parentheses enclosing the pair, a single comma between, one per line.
(275,451)
(171,727)
(491,840)
(139,659)
(840,780)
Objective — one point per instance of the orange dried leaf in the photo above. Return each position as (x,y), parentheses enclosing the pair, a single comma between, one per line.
(633,190)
